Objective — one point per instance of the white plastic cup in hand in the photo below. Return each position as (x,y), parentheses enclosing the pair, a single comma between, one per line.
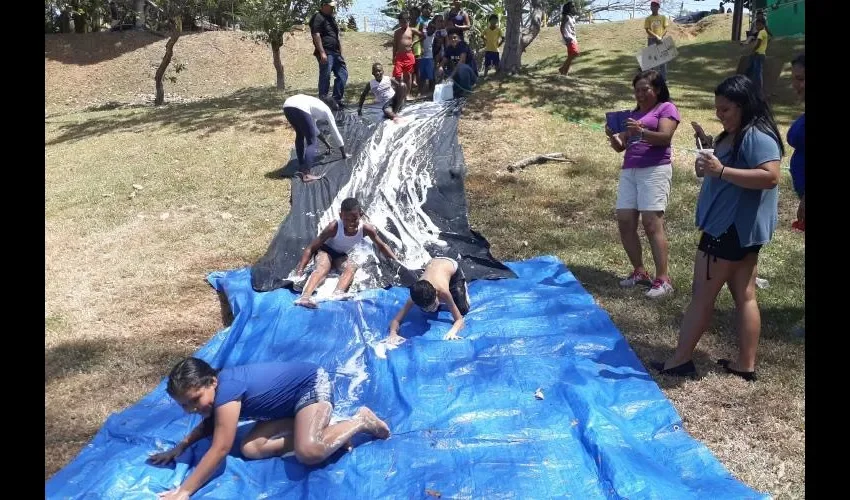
(703,153)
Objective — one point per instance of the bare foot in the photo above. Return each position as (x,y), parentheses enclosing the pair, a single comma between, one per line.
(307,177)
(340,295)
(374,425)
(306,302)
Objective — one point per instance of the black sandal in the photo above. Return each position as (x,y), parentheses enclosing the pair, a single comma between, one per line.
(748,376)
(687,369)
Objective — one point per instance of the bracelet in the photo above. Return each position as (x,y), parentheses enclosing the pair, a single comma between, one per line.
(721,172)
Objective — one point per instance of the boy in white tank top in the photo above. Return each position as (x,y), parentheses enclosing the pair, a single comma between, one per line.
(331,248)
(389,93)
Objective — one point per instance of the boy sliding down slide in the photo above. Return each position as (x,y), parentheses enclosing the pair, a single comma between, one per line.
(442,282)
(331,248)
(386,95)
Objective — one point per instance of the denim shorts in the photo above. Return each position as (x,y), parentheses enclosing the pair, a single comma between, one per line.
(320,390)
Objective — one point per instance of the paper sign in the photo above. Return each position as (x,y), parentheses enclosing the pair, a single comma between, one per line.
(656,55)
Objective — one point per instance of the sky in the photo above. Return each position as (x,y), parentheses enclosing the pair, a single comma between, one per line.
(375,21)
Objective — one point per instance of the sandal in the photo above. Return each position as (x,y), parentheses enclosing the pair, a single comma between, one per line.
(748,376)
(687,369)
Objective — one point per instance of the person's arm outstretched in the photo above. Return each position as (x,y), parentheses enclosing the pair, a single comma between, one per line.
(372,232)
(226,421)
(363,99)
(201,431)
(394,337)
(459,323)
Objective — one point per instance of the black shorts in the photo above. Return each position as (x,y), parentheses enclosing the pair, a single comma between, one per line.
(457,287)
(333,254)
(727,246)
(393,105)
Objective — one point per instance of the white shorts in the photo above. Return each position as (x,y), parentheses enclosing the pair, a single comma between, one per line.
(645,189)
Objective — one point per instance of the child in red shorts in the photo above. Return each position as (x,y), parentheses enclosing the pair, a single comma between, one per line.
(403,59)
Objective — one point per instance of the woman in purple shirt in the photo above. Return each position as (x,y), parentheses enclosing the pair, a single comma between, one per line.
(646,179)
(290,400)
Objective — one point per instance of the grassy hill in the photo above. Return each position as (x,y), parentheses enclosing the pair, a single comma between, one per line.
(125,296)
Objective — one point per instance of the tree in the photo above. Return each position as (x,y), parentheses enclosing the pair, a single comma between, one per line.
(270,20)
(521,31)
(86,14)
(352,23)
(171,13)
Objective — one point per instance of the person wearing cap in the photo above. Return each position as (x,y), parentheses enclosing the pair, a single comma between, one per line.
(328,52)
(656,27)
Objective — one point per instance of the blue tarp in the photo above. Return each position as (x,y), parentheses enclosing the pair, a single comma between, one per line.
(465,421)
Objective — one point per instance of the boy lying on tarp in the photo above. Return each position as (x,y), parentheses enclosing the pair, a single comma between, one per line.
(442,283)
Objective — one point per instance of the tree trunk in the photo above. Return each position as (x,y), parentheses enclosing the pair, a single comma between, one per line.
(535,20)
(517,37)
(512,53)
(65,22)
(278,64)
(166,60)
(140,14)
(79,22)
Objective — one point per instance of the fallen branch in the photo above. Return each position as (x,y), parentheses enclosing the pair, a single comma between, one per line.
(538,159)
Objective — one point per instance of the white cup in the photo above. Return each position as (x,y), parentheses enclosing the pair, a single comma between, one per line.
(705,152)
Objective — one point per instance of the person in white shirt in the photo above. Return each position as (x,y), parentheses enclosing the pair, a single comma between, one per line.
(568,34)
(388,92)
(302,112)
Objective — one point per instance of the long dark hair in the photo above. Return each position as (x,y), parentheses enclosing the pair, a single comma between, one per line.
(656,81)
(569,9)
(755,112)
(191,373)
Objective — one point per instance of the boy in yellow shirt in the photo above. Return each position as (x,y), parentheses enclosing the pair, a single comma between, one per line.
(493,39)
(656,27)
(757,58)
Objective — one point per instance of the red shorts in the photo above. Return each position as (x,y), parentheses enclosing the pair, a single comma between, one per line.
(572,47)
(403,63)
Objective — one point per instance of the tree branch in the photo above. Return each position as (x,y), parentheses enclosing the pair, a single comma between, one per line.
(538,159)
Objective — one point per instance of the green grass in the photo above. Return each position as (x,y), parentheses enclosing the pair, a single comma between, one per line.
(124,276)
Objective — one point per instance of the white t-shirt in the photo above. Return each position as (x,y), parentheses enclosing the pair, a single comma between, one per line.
(569,32)
(383,90)
(317,109)
(428,47)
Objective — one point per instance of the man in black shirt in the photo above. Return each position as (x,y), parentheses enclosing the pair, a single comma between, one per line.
(328,52)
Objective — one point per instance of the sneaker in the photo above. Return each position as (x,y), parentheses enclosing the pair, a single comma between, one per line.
(637,277)
(659,289)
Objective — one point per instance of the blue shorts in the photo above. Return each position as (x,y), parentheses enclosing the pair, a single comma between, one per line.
(320,390)
(491,59)
(426,69)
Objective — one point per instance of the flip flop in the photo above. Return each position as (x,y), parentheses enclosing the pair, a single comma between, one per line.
(687,369)
(748,376)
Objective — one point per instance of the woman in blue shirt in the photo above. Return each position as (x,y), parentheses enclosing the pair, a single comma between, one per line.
(290,400)
(737,211)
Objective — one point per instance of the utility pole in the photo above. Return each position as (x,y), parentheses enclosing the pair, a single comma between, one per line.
(633,8)
(737,20)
